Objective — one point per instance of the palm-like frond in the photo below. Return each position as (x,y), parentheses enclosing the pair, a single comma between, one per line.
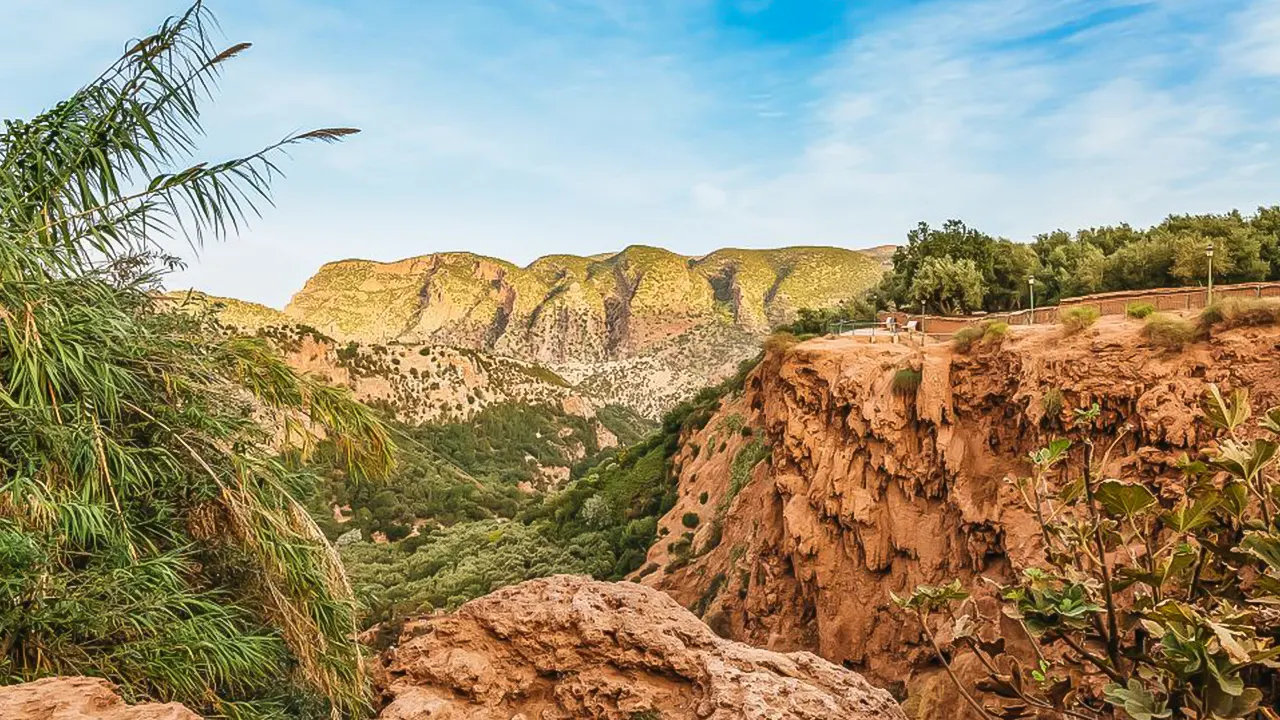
(148,530)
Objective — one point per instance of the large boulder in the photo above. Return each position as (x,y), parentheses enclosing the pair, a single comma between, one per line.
(570,647)
(79,698)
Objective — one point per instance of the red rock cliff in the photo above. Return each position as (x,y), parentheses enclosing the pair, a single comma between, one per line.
(863,491)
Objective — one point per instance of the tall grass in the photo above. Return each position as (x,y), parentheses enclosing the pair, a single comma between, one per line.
(1139,310)
(906,382)
(989,333)
(1169,331)
(1233,312)
(149,527)
(1077,319)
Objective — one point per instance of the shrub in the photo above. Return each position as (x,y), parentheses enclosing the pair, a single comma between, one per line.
(702,499)
(1139,310)
(1184,623)
(679,551)
(1076,319)
(993,331)
(1052,402)
(1234,312)
(780,341)
(744,461)
(1168,331)
(988,333)
(906,382)
(150,530)
(964,339)
(690,520)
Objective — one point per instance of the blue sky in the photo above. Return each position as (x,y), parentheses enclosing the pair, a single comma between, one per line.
(518,128)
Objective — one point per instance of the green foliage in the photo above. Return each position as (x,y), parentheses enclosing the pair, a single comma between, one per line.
(747,457)
(1078,318)
(1169,331)
(690,520)
(1233,312)
(906,382)
(1139,310)
(988,333)
(957,267)
(1089,261)
(810,321)
(149,527)
(509,441)
(947,285)
(1168,598)
(450,566)
(966,337)
(1052,402)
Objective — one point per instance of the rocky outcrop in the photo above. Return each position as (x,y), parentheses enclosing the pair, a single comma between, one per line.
(79,698)
(569,647)
(820,489)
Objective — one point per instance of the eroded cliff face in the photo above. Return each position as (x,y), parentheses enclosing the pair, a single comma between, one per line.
(864,491)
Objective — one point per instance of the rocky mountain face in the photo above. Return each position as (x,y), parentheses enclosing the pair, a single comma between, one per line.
(569,648)
(821,489)
(642,327)
(419,382)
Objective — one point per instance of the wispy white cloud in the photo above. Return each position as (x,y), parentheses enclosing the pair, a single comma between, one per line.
(519,129)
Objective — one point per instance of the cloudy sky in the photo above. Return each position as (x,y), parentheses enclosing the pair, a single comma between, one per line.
(518,128)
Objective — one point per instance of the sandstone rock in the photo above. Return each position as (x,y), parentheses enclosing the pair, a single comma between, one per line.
(569,647)
(79,698)
(866,493)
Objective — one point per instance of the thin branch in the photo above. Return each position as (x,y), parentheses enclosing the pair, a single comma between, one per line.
(964,692)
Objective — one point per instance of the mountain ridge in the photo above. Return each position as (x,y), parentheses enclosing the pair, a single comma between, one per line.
(642,327)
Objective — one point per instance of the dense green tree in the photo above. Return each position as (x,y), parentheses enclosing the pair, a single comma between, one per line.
(1003,268)
(1006,285)
(149,531)
(1144,263)
(947,285)
(1067,267)
(1098,259)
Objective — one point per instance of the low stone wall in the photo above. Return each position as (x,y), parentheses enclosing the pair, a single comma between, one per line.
(1112,303)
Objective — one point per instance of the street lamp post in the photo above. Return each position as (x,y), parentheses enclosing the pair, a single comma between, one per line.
(1031,289)
(1208,252)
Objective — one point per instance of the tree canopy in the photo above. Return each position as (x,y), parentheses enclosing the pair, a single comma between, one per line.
(933,266)
(149,531)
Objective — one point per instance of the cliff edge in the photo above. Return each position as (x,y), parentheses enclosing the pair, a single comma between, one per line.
(847,471)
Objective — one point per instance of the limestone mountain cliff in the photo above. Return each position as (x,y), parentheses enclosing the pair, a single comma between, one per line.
(819,490)
(642,327)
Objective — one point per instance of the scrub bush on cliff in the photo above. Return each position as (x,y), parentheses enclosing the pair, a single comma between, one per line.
(148,532)
(1144,605)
